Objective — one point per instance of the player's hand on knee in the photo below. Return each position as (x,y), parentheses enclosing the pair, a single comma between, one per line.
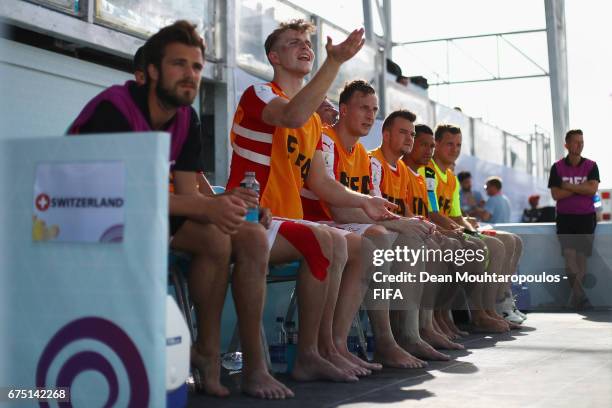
(226,211)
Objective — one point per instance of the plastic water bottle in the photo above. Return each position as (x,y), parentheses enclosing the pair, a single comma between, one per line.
(232,361)
(353,339)
(291,333)
(279,347)
(291,350)
(250,182)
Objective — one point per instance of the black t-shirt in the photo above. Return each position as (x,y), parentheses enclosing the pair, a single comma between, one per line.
(108,119)
(554,180)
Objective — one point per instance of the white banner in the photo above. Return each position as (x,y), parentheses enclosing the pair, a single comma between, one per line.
(79,202)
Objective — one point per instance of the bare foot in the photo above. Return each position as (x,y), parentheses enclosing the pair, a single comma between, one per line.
(392,355)
(437,329)
(210,370)
(451,325)
(485,324)
(445,329)
(261,384)
(425,351)
(345,365)
(311,367)
(356,360)
(439,341)
(511,326)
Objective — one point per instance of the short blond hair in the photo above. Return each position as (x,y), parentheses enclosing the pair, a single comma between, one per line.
(300,25)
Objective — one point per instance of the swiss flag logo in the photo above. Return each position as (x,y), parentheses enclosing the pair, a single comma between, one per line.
(42,202)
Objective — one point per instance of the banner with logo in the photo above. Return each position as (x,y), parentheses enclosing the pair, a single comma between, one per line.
(79,202)
(75,314)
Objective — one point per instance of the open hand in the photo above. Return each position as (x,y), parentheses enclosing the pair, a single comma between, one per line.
(347,49)
(379,209)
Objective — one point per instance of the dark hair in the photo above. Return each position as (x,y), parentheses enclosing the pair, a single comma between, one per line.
(572,132)
(138,63)
(464,175)
(300,25)
(402,113)
(181,31)
(443,128)
(421,128)
(358,85)
(495,182)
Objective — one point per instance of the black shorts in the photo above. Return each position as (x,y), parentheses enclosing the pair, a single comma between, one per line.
(576,231)
(175,224)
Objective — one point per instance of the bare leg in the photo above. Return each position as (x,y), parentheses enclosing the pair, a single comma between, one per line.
(312,293)
(354,284)
(335,298)
(387,351)
(250,249)
(208,279)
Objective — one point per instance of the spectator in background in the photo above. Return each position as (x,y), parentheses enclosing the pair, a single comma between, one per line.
(573,182)
(497,207)
(533,213)
(470,200)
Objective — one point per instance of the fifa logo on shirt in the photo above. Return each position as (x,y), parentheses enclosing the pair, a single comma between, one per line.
(354,183)
(444,204)
(419,207)
(574,180)
(301,161)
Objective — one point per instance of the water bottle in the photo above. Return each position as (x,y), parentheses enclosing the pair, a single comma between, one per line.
(250,182)
(291,333)
(278,348)
(232,361)
(291,350)
(353,339)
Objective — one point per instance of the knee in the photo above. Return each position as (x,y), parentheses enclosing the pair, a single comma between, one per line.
(214,244)
(518,245)
(496,248)
(251,243)
(377,230)
(340,245)
(325,241)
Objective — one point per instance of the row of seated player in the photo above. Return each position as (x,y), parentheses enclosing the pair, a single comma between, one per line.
(323,200)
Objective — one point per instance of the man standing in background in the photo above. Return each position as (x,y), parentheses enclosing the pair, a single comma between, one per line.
(573,182)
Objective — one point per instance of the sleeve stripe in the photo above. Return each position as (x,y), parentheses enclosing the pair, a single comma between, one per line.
(252,134)
(250,155)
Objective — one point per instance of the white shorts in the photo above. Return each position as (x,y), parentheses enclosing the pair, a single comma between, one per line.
(346,229)
(277,222)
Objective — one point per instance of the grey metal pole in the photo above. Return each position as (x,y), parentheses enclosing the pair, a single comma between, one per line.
(557,62)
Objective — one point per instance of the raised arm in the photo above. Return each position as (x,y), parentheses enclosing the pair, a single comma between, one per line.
(295,113)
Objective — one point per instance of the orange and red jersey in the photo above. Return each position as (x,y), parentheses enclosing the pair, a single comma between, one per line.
(280,157)
(350,168)
(390,182)
(417,194)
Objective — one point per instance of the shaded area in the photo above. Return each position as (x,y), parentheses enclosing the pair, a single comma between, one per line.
(561,360)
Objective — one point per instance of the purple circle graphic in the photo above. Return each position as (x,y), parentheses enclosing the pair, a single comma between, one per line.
(112,336)
(88,360)
(113,234)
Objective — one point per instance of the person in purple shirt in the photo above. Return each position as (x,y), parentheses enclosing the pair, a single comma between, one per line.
(211,228)
(573,182)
